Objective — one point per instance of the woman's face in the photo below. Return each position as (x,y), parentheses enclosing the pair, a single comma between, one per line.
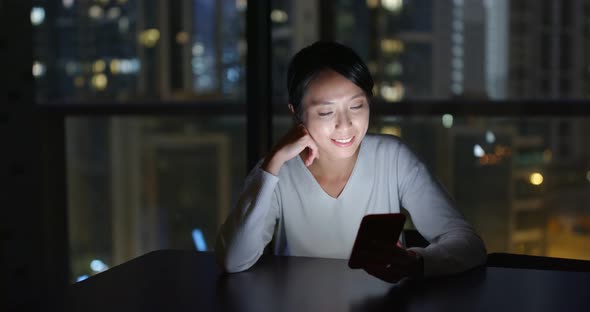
(336,114)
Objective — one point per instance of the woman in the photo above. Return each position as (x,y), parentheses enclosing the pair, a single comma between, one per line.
(312,190)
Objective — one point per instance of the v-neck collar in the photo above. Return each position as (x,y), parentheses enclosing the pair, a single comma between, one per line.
(346,186)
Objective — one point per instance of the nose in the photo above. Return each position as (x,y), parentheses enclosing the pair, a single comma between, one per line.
(343,120)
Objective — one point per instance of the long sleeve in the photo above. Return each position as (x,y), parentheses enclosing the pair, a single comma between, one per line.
(250,225)
(454,244)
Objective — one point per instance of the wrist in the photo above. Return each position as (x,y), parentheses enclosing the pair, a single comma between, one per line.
(272,163)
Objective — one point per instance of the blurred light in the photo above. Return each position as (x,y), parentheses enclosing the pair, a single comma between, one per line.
(199,240)
(393,93)
(241,5)
(457,63)
(232,74)
(458,26)
(114,13)
(502,150)
(457,38)
(457,88)
(458,2)
(99,66)
(447,120)
(536,178)
(478,151)
(490,137)
(392,5)
(149,37)
(457,76)
(129,66)
(123,24)
(588,176)
(68,3)
(81,278)
(392,46)
(99,81)
(278,16)
(182,37)
(38,69)
(198,49)
(37,15)
(457,51)
(95,12)
(98,266)
(79,81)
(71,68)
(103,2)
(392,130)
(371,4)
(115,66)
(547,155)
(394,69)
(122,1)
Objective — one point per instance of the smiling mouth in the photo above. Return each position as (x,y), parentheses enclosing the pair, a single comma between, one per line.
(344,141)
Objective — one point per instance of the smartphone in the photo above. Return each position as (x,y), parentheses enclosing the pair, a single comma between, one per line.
(375,230)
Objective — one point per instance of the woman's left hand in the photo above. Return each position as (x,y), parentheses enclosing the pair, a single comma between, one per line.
(392,263)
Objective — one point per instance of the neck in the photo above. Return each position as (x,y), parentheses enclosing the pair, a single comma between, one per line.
(332,168)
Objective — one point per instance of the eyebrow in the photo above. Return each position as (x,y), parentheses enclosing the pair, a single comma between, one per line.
(326,102)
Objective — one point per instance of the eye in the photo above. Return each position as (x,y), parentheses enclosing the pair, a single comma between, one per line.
(359,106)
(325,114)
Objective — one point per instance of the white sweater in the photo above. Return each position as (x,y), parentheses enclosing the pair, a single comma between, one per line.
(308,222)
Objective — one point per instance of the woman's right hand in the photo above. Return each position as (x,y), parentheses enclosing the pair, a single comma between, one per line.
(291,145)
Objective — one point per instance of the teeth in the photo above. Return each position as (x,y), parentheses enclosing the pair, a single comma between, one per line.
(344,141)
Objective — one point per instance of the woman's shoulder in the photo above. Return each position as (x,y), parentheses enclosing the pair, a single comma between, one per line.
(386,146)
(378,141)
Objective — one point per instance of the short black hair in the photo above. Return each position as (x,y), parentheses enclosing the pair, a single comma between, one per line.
(320,56)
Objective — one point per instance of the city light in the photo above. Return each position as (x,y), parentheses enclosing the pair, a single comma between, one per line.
(490,137)
(98,266)
(392,46)
(198,49)
(81,278)
(37,15)
(99,66)
(149,37)
(67,3)
(99,81)
(478,151)
(95,12)
(447,121)
(588,176)
(279,16)
(114,13)
(392,93)
(241,5)
(536,178)
(182,37)
(123,24)
(199,240)
(372,4)
(394,69)
(38,69)
(392,5)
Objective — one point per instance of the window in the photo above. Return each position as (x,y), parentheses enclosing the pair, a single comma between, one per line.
(141,178)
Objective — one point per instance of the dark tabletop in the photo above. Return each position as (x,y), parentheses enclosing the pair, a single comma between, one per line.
(172,280)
